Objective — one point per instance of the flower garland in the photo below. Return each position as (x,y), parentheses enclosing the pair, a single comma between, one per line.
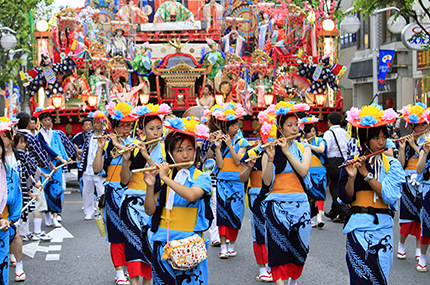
(414,114)
(226,111)
(189,125)
(371,116)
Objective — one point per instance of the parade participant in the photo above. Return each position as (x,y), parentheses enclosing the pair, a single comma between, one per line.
(78,141)
(287,211)
(371,187)
(10,207)
(91,180)
(229,147)
(410,202)
(137,242)
(317,172)
(423,169)
(41,157)
(108,159)
(59,148)
(180,206)
(337,142)
(252,170)
(33,125)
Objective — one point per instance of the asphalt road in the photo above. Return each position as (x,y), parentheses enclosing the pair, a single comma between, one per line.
(85,258)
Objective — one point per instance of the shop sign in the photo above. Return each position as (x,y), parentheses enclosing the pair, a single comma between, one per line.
(423,59)
(412,42)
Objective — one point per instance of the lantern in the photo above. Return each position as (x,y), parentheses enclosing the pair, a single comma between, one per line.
(268,99)
(42,26)
(328,25)
(219,98)
(320,99)
(92,100)
(144,98)
(57,101)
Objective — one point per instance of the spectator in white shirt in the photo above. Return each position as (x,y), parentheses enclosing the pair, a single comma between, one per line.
(337,145)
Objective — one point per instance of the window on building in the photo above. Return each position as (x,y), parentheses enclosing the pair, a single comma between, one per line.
(347,40)
(363,35)
(387,36)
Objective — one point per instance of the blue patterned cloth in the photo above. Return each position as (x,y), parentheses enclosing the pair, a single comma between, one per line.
(318,174)
(230,191)
(288,217)
(369,245)
(424,179)
(36,150)
(14,206)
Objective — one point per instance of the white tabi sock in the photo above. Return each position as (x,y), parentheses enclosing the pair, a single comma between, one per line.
(120,275)
(423,259)
(223,248)
(401,248)
(37,225)
(48,218)
(12,257)
(19,268)
(418,252)
(231,247)
(263,271)
(292,281)
(268,269)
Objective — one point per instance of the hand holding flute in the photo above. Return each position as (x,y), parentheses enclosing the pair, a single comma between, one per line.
(360,159)
(109,135)
(183,164)
(139,145)
(408,136)
(280,140)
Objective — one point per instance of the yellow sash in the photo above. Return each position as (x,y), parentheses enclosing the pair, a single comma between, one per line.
(113,173)
(137,182)
(287,183)
(365,199)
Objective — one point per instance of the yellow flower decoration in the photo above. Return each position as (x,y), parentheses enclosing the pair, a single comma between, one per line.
(190,125)
(124,108)
(272,133)
(215,107)
(371,110)
(285,104)
(152,107)
(229,112)
(417,110)
(4,119)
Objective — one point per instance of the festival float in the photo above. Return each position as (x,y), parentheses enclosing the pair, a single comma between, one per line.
(168,51)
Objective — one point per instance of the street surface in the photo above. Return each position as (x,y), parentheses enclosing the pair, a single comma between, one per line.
(79,255)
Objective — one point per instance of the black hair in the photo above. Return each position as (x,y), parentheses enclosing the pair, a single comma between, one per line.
(114,123)
(226,124)
(33,119)
(211,124)
(18,137)
(88,120)
(3,155)
(9,134)
(44,115)
(308,128)
(413,126)
(353,132)
(209,87)
(335,118)
(24,118)
(172,139)
(146,119)
(366,134)
(280,121)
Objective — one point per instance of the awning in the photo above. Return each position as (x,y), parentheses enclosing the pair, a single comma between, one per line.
(361,69)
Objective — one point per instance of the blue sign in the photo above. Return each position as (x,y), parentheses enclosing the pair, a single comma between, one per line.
(385,59)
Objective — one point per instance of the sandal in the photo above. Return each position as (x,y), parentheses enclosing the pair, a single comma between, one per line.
(223,255)
(265,278)
(401,255)
(320,224)
(122,281)
(421,268)
(20,277)
(231,253)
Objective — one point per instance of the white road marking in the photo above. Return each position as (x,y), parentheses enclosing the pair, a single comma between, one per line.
(54,247)
(31,249)
(59,234)
(52,257)
(67,192)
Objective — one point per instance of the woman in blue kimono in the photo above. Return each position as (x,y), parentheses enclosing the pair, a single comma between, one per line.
(423,169)
(371,188)
(411,200)
(317,171)
(287,211)
(183,195)
(10,206)
(229,147)
(108,160)
(60,149)
(137,235)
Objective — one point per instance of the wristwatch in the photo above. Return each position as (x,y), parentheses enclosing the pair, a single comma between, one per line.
(368,177)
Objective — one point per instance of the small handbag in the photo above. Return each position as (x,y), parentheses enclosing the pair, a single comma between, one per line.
(186,253)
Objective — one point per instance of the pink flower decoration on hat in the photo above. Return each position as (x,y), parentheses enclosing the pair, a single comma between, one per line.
(217,114)
(301,107)
(405,111)
(271,109)
(110,106)
(262,116)
(164,108)
(390,115)
(353,114)
(239,111)
(207,112)
(265,128)
(202,130)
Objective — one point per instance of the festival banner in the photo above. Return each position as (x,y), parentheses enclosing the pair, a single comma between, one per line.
(385,59)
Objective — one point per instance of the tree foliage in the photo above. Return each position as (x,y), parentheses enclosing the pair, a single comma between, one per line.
(15,15)
(406,9)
